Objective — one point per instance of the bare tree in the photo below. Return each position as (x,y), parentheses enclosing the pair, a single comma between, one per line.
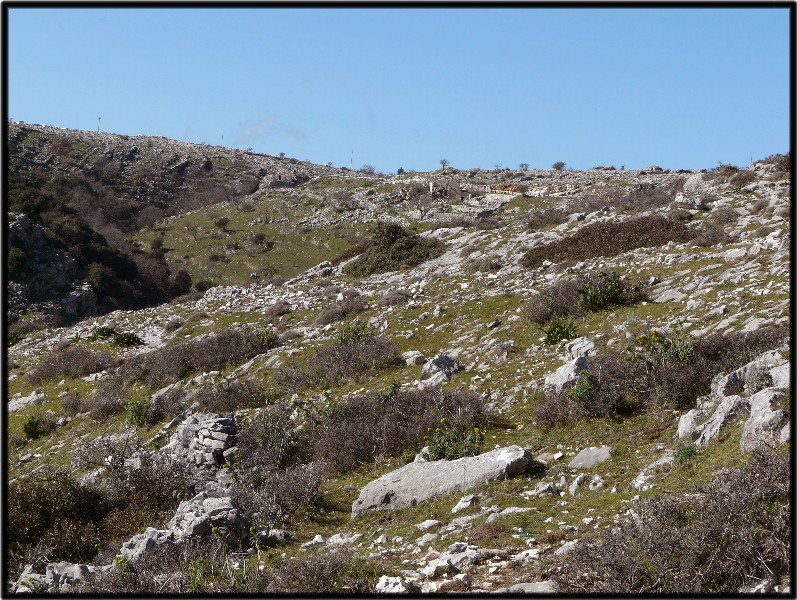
(444,163)
(524,166)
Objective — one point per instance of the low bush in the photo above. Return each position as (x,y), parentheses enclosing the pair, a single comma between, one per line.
(36,426)
(484,264)
(126,340)
(69,520)
(450,443)
(683,545)
(540,219)
(394,297)
(70,363)
(560,299)
(724,215)
(710,235)
(172,363)
(279,308)
(742,178)
(559,329)
(351,358)
(576,296)
(367,427)
(643,197)
(337,571)
(669,370)
(340,309)
(272,476)
(393,248)
(233,396)
(109,399)
(610,239)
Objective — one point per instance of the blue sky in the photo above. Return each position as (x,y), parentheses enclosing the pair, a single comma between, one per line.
(680,88)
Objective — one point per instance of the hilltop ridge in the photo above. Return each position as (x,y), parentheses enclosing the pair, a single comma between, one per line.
(594,353)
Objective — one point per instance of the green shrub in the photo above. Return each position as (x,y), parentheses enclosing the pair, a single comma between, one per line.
(14,337)
(685,452)
(36,426)
(137,411)
(126,340)
(450,443)
(603,290)
(351,334)
(102,333)
(559,329)
(18,263)
(393,248)
(657,349)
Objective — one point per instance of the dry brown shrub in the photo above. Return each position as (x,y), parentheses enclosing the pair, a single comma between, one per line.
(724,215)
(484,264)
(172,363)
(340,309)
(685,544)
(71,363)
(609,239)
(393,298)
(373,425)
(540,219)
(711,235)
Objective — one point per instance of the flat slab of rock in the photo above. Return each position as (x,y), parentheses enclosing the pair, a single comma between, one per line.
(589,457)
(419,481)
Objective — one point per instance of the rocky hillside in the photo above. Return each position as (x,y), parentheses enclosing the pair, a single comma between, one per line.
(466,381)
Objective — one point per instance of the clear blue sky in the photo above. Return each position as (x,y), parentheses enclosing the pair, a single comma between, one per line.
(680,88)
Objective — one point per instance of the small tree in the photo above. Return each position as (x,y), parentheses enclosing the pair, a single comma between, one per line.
(222,223)
(558,165)
(369,169)
(524,166)
(182,282)
(444,163)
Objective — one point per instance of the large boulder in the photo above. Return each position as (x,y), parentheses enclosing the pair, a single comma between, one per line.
(419,481)
(589,457)
(565,374)
(764,424)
